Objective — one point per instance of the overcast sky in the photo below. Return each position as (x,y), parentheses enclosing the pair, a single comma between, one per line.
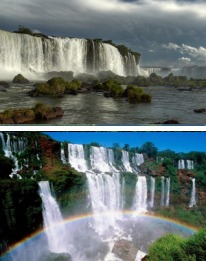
(165,32)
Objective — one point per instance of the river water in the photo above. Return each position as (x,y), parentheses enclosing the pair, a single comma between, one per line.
(94,109)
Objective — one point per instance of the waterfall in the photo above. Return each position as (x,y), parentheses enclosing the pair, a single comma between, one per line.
(11,147)
(152,191)
(100,160)
(140,198)
(167,203)
(56,233)
(63,158)
(125,161)
(28,54)
(193,195)
(162,191)
(190,164)
(181,164)
(76,157)
(111,160)
(105,195)
(185,164)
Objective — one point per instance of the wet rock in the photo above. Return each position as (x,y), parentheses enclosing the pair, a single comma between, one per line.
(168,122)
(20,79)
(22,119)
(200,110)
(125,250)
(58,111)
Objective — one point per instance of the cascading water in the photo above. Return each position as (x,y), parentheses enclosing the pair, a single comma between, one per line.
(26,54)
(185,164)
(56,233)
(181,164)
(76,157)
(138,159)
(63,158)
(11,148)
(125,161)
(190,164)
(152,191)
(105,195)
(193,194)
(167,203)
(140,198)
(162,191)
(99,159)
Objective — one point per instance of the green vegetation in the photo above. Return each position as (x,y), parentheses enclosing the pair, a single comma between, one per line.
(56,86)
(172,247)
(20,206)
(129,188)
(170,80)
(26,30)
(113,88)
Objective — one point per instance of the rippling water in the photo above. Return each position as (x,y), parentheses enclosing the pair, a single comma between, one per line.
(93,108)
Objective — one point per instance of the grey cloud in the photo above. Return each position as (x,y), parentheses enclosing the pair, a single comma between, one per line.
(143,25)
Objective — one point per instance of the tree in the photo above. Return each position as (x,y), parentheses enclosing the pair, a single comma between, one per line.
(149,149)
(126,147)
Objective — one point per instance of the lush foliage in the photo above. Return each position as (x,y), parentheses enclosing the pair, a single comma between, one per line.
(20,206)
(172,247)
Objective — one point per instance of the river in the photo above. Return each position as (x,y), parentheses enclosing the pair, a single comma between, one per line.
(94,109)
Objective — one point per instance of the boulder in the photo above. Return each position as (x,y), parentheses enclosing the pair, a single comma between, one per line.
(23,119)
(59,112)
(125,250)
(7,121)
(20,79)
(200,110)
(168,122)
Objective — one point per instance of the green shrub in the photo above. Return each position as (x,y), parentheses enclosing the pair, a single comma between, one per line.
(146,98)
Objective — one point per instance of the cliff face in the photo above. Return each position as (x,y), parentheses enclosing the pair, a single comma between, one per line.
(30,54)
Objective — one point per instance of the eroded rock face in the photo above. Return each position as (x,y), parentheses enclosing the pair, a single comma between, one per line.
(125,250)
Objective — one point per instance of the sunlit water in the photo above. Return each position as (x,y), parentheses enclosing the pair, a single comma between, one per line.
(87,245)
(93,108)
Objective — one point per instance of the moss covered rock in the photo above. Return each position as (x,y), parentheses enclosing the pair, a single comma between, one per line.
(20,79)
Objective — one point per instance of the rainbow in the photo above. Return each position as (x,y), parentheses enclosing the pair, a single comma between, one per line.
(126,213)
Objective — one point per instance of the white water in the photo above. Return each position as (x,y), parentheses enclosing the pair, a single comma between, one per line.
(21,53)
(190,164)
(181,164)
(185,164)
(193,194)
(76,157)
(140,198)
(162,191)
(99,159)
(105,196)
(167,203)
(152,191)
(11,147)
(56,234)
(63,158)
(125,161)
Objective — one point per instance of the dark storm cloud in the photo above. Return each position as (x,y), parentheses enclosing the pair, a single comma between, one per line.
(143,25)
